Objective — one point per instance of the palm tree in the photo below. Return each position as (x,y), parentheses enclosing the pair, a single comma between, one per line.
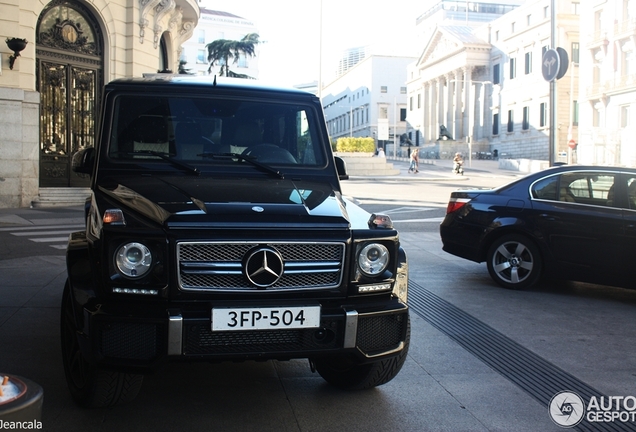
(221,51)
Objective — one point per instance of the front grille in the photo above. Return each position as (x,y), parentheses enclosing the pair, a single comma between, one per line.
(201,340)
(215,266)
(134,341)
(380,333)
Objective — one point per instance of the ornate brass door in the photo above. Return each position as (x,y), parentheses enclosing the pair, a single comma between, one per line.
(69,79)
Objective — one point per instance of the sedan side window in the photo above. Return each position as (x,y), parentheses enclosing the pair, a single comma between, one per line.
(545,189)
(589,188)
(631,192)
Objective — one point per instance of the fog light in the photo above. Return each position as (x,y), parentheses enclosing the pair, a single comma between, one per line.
(374,288)
(135,291)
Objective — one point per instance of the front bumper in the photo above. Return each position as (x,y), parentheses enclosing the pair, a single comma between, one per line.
(127,340)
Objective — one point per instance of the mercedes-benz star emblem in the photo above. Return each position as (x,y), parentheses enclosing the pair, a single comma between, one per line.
(263,266)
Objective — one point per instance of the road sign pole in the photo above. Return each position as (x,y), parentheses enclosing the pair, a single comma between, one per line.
(553,105)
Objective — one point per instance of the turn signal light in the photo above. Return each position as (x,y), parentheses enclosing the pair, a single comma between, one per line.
(114,217)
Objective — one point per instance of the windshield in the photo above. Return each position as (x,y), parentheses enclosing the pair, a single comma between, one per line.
(202,131)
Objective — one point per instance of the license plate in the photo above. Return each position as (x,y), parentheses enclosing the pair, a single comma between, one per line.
(264,318)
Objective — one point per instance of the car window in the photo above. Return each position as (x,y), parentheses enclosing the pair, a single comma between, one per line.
(199,129)
(631,192)
(545,189)
(587,188)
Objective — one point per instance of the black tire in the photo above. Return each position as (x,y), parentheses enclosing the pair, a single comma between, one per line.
(514,262)
(346,373)
(90,386)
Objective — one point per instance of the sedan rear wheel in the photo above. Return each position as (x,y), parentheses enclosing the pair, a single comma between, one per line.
(514,262)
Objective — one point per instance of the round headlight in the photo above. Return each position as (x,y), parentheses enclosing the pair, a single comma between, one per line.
(373,259)
(133,259)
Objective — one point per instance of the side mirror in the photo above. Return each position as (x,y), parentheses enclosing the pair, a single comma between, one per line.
(83,161)
(341,167)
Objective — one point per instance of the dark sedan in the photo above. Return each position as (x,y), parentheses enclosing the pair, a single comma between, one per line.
(568,222)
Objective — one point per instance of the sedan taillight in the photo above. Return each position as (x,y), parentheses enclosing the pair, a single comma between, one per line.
(455,204)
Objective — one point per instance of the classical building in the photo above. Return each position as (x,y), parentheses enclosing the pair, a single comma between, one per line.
(607,94)
(50,87)
(214,25)
(369,99)
(485,86)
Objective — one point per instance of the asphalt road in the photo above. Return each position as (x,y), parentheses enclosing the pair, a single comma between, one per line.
(482,358)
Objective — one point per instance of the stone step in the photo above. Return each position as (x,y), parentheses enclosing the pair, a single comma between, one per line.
(60,197)
(364,165)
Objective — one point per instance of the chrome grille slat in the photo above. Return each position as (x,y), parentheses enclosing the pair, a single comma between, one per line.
(217,266)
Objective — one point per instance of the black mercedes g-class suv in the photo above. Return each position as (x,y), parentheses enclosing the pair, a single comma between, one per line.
(216,230)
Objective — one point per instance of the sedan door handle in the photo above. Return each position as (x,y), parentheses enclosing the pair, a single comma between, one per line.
(548,217)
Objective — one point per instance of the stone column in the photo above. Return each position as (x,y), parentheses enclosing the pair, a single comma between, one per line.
(467,85)
(457,129)
(440,104)
(450,88)
(433,110)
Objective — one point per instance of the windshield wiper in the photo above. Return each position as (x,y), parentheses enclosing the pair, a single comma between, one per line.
(250,159)
(166,157)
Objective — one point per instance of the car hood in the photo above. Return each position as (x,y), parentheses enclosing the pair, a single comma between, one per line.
(207,201)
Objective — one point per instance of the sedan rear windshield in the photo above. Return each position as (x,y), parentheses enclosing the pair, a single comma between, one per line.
(204,130)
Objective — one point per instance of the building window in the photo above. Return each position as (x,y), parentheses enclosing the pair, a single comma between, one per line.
(201,36)
(411,103)
(543,114)
(402,90)
(546,12)
(200,56)
(528,63)
(529,19)
(575,113)
(513,67)
(624,116)
(495,74)
(512,27)
(496,35)
(419,101)
(511,121)
(575,52)
(383,89)
(525,125)
(544,48)
(495,124)
(242,61)
(596,115)
(402,114)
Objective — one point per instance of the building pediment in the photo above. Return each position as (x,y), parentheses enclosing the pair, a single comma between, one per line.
(447,41)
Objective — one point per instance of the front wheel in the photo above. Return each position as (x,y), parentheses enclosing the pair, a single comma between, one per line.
(514,262)
(90,386)
(346,373)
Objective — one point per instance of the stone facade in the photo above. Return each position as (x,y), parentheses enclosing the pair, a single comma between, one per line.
(485,85)
(19,120)
(139,37)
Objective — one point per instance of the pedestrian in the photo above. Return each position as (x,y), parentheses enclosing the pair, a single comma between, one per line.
(381,152)
(415,162)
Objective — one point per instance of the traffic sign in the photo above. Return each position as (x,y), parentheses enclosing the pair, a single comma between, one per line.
(563,62)
(572,144)
(550,64)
